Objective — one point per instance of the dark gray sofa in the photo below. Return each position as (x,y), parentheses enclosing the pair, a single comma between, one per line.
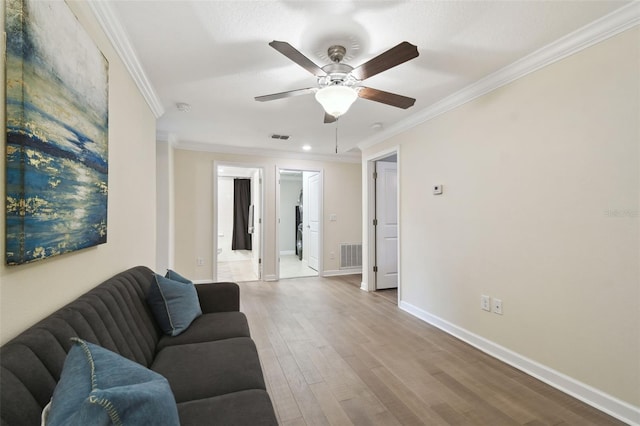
(213,367)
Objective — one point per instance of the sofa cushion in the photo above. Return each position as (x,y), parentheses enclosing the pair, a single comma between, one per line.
(208,328)
(249,407)
(174,304)
(203,370)
(98,386)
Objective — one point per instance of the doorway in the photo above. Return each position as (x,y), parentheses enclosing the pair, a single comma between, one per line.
(386,223)
(382,225)
(386,226)
(299,222)
(237,241)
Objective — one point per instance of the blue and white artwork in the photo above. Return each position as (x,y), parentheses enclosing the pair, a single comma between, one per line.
(57,133)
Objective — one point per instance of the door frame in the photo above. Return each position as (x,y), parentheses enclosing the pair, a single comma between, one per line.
(368,231)
(320,212)
(216,165)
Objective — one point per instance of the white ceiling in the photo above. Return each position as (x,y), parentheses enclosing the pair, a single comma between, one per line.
(214,55)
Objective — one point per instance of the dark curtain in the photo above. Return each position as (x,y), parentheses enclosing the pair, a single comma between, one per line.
(298,221)
(241,201)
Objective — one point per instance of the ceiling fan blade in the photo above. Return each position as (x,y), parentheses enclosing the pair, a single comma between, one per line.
(389,59)
(328,118)
(292,53)
(288,94)
(388,98)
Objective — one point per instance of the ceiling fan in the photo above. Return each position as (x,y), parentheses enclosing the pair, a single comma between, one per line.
(339,84)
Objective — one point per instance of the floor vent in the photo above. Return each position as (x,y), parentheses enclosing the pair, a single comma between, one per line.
(350,256)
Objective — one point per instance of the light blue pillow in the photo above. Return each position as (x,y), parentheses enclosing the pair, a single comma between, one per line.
(174,304)
(173,275)
(100,387)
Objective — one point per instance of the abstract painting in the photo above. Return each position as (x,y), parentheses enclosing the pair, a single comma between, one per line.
(57,133)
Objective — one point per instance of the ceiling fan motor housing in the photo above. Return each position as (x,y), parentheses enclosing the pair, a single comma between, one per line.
(336,53)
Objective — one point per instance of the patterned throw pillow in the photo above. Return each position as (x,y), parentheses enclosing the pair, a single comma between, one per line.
(100,387)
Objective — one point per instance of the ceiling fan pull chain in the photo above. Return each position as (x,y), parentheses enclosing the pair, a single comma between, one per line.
(337,121)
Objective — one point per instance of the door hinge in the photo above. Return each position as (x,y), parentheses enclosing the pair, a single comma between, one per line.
(375,222)
(260,220)
(375,175)
(259,260)
(375,269)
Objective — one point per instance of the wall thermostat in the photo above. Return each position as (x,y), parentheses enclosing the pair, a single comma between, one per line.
(437,189)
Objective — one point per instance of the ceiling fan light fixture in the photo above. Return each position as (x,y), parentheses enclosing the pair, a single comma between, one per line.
(336,99)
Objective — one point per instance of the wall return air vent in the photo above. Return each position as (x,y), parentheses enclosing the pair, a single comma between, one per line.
(350,255)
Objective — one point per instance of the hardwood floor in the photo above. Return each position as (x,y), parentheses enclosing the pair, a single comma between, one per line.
(335,355)
(390,294)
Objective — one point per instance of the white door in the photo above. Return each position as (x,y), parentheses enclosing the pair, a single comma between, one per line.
(305,216)
(387,228)
(314,220)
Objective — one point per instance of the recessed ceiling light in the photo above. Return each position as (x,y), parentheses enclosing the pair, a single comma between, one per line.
(307,147)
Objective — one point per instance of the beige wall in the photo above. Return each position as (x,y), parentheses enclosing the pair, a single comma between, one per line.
(30,292)
(540,209)
(194,204)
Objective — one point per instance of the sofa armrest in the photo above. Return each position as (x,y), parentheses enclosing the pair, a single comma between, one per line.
(218,297)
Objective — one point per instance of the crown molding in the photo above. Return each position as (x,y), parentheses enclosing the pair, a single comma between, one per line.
(601,29)
(228,149)
(106,16)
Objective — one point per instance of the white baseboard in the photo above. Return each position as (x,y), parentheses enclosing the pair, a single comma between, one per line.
(364,286)
(338,272)
(269,278)
(287,252)
(602,401)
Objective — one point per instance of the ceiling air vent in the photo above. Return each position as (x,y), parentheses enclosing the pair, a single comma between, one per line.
(283,137)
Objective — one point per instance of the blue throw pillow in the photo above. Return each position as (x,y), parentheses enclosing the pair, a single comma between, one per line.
(174,304)
(100,387)
(173,275)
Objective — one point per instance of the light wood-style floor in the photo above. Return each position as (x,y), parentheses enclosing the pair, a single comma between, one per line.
(333,354)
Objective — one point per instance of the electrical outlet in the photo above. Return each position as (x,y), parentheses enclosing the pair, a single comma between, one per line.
(497,306)
(199,261)
(485,303)
(332,255)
